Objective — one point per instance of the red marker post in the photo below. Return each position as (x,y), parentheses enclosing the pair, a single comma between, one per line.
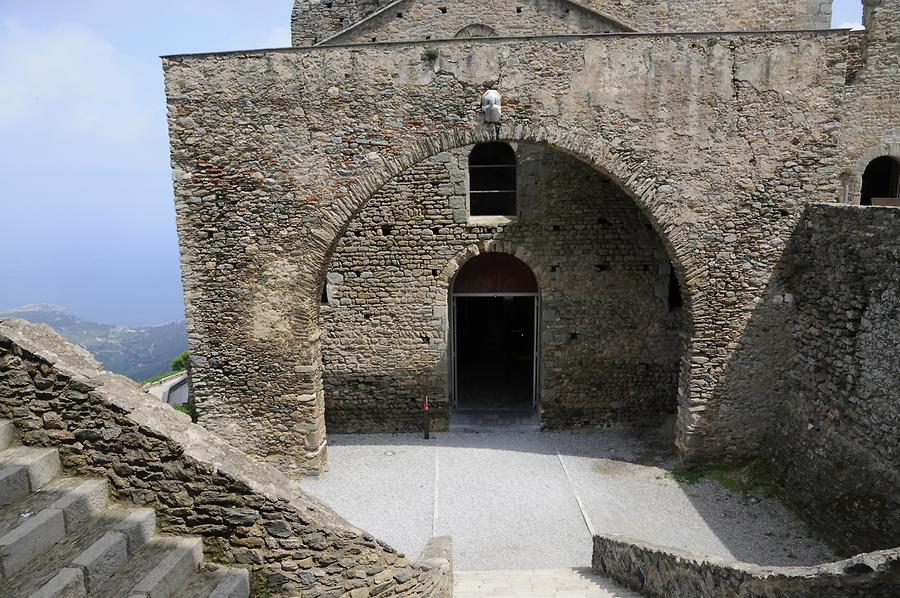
(427,419)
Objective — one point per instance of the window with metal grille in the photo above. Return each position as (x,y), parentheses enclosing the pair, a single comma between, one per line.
(492,180)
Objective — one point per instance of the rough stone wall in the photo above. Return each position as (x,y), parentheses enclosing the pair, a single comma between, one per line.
(747,15)
(728,15)
(611,347)
(417,19)
(720,139)
(659,572)
(247,513)
(315,20)
(871,94)
(836,440)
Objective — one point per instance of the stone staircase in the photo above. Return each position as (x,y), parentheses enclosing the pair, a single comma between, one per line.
(546,583)
(60,537)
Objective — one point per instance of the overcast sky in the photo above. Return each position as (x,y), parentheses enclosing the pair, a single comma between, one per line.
(86,205)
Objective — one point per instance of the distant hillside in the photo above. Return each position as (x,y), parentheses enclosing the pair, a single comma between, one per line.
(136,352)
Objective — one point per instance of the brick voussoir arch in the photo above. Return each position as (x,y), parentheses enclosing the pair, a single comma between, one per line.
(633,172)
(852,180)
(445,278)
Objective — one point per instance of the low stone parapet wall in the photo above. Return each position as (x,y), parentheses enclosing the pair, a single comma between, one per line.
(438,556)
(660,572)
(247,512)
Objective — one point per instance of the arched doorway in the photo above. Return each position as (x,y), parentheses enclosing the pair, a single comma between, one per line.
(495,337)
(881,183)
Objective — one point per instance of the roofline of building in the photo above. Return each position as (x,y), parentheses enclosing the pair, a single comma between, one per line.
(392,5)
(547,38)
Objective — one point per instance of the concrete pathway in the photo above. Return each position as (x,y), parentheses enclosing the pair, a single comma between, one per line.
(546,583)
(530,501)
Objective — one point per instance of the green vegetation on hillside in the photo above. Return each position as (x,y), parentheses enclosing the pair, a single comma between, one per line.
(134,351)
(188,408)
(179,364)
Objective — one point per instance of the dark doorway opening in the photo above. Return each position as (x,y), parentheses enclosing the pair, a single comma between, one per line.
(881,183)
(495,342)
(495,352)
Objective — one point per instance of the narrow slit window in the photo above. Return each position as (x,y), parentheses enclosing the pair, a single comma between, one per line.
(675,300)
(492,180)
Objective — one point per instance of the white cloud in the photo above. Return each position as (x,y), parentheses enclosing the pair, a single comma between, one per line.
(65,80)
(850,25)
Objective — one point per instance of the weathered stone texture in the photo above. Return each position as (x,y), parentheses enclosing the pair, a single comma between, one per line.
(719,139)
(658,572)
(417,20)
(871,95)
(313,21)
(611,346)
(246,512)
(836,442)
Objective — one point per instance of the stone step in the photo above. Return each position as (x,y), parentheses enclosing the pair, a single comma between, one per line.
(42,463)
(144,562)
(59,538)
(7,434)
(231,583)
(547,583)
(35,536)
(16,513)
(104,558)
(219,583)
(14,484)
(174,570)
(68,583)
(85,547)
(27,534)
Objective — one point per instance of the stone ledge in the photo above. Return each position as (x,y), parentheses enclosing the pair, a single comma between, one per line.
(43,343)
(663,572)
(57,395)
(438,556)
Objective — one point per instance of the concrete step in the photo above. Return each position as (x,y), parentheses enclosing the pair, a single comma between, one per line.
(231,583)
(35,536)
(140,564)
(173,570)
(14,484)
(42,463)
(104,558)
(219,583)
(28,534)
(548,583)
(7,434)
(86,547)
(60,538)
(16,513)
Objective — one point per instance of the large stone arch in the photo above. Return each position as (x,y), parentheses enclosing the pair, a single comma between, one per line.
(632,172)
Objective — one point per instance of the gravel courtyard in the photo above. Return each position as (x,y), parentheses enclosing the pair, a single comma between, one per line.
(529,500)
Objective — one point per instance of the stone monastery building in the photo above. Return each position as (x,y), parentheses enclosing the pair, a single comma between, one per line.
(678,207)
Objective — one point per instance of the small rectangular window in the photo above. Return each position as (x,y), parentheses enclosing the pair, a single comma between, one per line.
(492,180)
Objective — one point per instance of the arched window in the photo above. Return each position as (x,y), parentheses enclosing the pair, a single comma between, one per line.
(476,30)
(881,183)
(492,180)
